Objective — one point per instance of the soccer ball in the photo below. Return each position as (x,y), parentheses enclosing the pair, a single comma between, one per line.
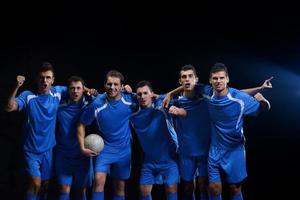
(94,142)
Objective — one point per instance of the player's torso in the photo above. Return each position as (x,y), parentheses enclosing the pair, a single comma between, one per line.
(153,134)
(68,115)
(227,119)
(113,120)
(193,130)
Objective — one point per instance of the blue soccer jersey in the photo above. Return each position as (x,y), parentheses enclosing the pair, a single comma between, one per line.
(155,133)
(68,115)
(193,130)
(39,127)
(112,118)
(227,152)
(72,167)
(227,114)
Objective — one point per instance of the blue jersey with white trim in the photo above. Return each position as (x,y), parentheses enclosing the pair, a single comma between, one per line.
(227,115)
(194,129)
(112,118)
(155,132)
(67,116)
(39,127)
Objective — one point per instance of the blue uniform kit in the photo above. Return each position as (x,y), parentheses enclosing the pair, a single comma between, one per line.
(227,152)
(158,140)
(72,167)
(193,133)
(113,124)
(39,129)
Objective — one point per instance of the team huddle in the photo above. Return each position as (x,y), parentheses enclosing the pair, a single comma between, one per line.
(191,134)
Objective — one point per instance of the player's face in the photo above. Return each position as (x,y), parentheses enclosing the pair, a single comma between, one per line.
(144,96)
(219,81)
(76,91)
(188,79)
(45,81)
(113,87)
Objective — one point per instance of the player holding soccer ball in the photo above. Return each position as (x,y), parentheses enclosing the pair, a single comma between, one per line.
(111,112)
(94,142)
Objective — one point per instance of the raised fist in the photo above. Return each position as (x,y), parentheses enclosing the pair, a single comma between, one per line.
(20,80)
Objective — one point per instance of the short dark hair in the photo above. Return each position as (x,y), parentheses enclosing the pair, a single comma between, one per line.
(188,67)
(75,79)
(46,66)
(218,67)
(142,84)
(115,73)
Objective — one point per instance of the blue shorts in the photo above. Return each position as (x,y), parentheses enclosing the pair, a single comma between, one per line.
(192,166)
(73,171)
(115,162)
(159,172)
(230,162)
(39,164)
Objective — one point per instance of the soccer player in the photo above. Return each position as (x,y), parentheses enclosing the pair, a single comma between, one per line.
(193,135)
(111,111)
(152,126)
(193,132)
(39,128)
(71,166)
(227,108)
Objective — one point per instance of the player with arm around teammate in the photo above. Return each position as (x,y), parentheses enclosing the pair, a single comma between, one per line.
(111,111)
(71,166)
(157,138)
(39,128)
(193,132)
(228,108)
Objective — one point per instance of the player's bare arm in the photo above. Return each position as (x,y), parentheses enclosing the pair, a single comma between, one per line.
(266,85)
(11,103)
(168,96)
(263,101)
(80,137)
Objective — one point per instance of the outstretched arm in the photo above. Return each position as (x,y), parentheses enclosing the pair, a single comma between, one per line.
(266,85)
(168,96)
(11,103)
(80,137)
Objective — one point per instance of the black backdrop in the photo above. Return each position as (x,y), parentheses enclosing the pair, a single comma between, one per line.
(152,41)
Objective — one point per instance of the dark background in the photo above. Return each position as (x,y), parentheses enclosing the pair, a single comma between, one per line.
(152,41)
